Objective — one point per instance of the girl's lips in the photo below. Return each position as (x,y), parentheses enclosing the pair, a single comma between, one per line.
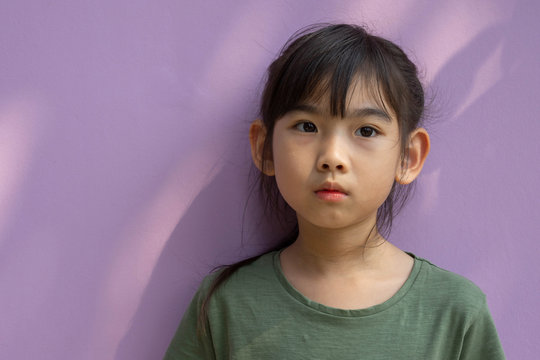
(330,195)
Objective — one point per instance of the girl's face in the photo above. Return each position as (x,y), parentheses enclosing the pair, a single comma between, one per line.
(336,172)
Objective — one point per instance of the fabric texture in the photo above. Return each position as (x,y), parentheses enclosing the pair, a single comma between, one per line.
(257,314)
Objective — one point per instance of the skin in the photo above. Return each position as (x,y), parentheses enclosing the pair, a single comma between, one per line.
(339,259)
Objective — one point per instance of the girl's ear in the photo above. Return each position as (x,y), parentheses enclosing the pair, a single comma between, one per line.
(257,135)
(418,150)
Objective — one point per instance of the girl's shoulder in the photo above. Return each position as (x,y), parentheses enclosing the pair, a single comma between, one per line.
(259,272)
(445,279)
(442,287)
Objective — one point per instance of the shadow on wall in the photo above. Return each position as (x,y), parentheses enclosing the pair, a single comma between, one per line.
(477,81)
(459,125)
(187,258)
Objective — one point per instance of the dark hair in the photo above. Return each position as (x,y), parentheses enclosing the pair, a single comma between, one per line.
(328,59)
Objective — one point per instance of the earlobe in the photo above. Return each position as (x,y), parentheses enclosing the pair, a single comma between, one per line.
(257,136)
(418,150)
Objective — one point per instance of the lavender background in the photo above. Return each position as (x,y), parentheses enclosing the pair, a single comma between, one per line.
(124,159)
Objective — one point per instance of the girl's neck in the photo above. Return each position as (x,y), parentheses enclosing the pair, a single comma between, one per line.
(339,251)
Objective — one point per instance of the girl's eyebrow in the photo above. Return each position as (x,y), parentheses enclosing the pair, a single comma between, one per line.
(356,113)
(369,111)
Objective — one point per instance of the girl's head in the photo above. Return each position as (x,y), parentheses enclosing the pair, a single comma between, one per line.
(326,64)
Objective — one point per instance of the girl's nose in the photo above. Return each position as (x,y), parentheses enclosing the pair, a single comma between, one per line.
(332,158)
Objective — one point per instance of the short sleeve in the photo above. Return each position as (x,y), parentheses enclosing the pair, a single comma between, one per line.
(186,343)
(481,339)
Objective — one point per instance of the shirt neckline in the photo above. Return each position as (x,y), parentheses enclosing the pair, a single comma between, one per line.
(345,312)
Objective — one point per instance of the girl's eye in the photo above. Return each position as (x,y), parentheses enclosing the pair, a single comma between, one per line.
(366,131)
(306,126)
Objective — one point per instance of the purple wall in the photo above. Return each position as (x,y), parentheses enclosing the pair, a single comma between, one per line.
(124,159)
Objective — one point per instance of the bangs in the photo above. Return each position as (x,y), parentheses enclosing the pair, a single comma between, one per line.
(332,65)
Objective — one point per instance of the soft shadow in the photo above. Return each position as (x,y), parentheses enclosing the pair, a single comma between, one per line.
(216,213)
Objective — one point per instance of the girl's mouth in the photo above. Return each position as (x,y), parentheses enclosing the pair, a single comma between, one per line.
(330,195)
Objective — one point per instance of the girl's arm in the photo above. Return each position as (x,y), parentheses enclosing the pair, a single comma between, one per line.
(481,339)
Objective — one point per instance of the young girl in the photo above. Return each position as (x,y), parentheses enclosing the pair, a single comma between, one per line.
(339,139)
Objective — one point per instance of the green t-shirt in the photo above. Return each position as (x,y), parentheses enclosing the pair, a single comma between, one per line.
(257,314)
